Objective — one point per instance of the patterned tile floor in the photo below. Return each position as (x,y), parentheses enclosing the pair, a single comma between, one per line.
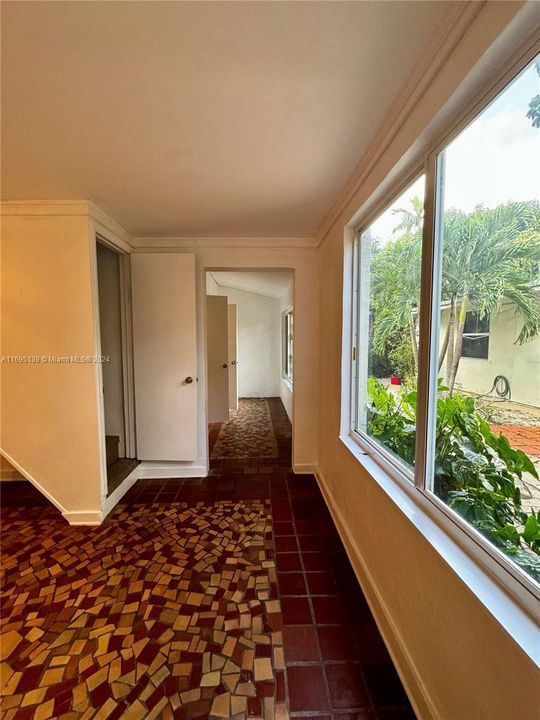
(248,433)
(183,602)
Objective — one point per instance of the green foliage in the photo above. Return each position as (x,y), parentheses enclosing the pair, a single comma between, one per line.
(402,359)
(395,288)
(492,254)
(534,106)
(476,471)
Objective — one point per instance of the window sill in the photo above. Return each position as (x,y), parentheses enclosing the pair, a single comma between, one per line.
(514,611)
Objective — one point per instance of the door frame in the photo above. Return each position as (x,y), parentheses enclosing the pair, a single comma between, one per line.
(111,238)
(204,268)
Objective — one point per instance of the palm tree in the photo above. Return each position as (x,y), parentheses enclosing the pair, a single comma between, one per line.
(411,219)
(489,255)
(395,291)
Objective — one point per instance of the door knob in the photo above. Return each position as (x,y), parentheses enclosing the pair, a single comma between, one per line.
(233,362)
(224,365)
(188,380)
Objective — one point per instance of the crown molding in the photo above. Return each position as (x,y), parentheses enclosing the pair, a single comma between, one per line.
(231,286)
(144,243)
(445,41)
(109,228)
(45,207)
(105,225)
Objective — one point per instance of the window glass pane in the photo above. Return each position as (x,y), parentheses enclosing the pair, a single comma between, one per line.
(288,345)
(389,259)
(476,346)
(487,439)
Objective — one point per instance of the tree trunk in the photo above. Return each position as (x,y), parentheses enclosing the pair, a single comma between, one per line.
(444,346)
(414,341)
(450,343)
(458,344)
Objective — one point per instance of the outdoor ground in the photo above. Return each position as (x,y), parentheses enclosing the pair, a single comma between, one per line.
(521,425)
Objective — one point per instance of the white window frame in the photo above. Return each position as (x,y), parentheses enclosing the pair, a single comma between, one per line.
(475,336)
(287,372)
(504,589)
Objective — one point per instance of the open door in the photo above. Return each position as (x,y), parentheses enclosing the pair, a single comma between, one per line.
(232,354)
(165,355)
(218,354)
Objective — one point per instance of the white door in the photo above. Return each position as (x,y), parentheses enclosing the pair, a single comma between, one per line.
(165,355)
(218,353)
(233,352)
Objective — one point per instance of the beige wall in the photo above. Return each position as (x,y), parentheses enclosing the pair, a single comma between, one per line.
(49,410)
(8,472)
(462,665)
(240,255)
(258,342)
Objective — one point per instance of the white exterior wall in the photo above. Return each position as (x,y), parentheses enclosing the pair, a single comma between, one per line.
(519,363)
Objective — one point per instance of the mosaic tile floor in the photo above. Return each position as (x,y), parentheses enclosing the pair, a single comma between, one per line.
(249,432)
(164,611)
(224,597)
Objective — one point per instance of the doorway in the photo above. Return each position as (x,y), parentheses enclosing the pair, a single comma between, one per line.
(117,445)
(249,363)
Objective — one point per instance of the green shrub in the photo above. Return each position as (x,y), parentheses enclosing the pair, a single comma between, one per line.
(476,471)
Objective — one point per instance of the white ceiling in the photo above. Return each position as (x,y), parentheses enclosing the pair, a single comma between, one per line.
(201,119)
(272,283)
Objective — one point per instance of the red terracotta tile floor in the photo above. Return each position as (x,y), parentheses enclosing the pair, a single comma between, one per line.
(521,437)
(183,603)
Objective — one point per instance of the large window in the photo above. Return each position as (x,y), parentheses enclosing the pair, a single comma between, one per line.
(389,254)
(432,292)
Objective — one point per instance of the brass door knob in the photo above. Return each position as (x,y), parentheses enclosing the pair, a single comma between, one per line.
(188,380)
(224,365)
(233,362)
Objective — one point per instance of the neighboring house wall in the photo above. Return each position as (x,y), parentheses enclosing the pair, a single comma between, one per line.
(456,659)
(519,363)
(50,410)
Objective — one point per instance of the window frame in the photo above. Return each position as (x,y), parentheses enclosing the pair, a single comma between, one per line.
(288,345)
(475,336)
(386,458)
(490,561)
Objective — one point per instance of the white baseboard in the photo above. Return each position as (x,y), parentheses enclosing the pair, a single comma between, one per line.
(114,498)
(84,517)
(304,469)
(155,470)
(33,480)
(416,690)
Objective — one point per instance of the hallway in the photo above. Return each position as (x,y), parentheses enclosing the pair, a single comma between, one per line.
(222,597)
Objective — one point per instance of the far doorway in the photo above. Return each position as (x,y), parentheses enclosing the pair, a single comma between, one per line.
(119,461)
(250,363)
